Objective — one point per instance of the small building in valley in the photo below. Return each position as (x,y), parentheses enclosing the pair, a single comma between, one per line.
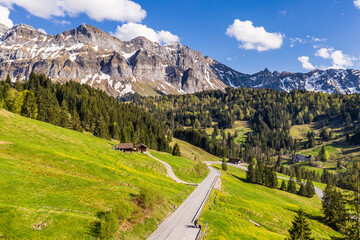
(125,147)
(234,161)
(141,148)
(300,158)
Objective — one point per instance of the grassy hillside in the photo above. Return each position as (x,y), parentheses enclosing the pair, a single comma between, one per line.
(228,212)
(185,169)
(60,181)
(190,151)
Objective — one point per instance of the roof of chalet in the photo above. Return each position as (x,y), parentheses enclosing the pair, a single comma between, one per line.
(140,144)
(125,145)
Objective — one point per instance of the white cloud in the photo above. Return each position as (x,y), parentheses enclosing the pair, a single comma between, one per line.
(129,31)
(315,39)
(117,10)
(305,61)
(167,37)
(254,37)
(324,53)
(4,17)
(357,3)
(282,12)
(339,59)
(293,41)
(61,22)
(42,31)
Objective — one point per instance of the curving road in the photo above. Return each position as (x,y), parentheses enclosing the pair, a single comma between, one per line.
(170,172)
(180,224)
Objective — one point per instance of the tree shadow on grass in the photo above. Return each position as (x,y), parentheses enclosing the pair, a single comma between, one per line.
(238,178)
(313,217)
(94,228)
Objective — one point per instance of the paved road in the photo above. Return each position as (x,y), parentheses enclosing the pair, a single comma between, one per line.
(170,172)
(180,224)
(318,191)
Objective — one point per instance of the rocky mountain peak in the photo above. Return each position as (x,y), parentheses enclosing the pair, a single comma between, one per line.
(90,56)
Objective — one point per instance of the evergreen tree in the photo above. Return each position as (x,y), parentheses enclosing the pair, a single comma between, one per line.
(291,185)
(352,230)
(123,136)
(283,186)
(250,174)
(272,178)
(323,154)
(224,165)
(29,108)
(18,85)
(300,229)
(8,79)
(334,208)
(278,164)
(302,190)
(338,164)
(176,150)
(310,189)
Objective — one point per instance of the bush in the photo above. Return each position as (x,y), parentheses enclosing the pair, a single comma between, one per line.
(200,168)
(123,210)
(109,226)
(148,198)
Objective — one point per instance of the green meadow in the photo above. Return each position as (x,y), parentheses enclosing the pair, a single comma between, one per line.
(190,151)
(230,210)
(55,183)
(185,169)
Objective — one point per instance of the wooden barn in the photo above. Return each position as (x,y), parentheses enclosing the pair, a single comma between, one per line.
(141,148)
(125,147)
(300,158)
(234,161)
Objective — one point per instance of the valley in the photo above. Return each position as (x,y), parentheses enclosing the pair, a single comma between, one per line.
(208,120)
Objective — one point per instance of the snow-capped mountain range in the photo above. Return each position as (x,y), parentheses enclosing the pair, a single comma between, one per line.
(90,56)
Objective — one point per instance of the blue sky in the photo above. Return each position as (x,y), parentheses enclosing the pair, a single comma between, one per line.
(281,35)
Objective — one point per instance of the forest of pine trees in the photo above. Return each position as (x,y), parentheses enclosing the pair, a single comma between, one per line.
(82,108)
(270,112)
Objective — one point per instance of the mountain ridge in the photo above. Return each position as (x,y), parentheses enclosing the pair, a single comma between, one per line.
(88,55)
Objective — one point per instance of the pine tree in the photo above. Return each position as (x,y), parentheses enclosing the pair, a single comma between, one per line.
(352,231)
(310,189)
(18,85)
(278,164)
(8,79)
(334,208)
(302,190)
(224,165)
(291,185)
(176,150)
(250,174)
(29,108)
(123,136)
(323,154)
(338,165)
(283,186)
(300,229)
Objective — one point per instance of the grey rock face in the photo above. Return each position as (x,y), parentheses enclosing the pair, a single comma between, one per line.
(344,81)
(89,55)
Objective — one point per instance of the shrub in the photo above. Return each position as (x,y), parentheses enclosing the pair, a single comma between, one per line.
(148,198)
(109,226)
(123,210)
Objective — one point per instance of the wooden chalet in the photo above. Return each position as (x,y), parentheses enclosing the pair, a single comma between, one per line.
(125,147)
(234,161)
(300,158)
(141,148)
